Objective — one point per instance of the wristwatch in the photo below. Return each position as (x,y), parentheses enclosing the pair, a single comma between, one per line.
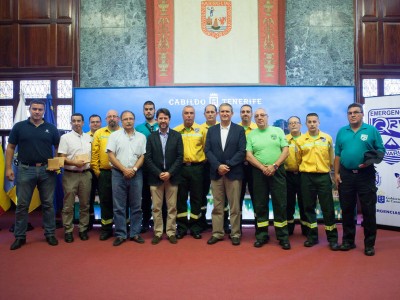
(135,169)
(276,167)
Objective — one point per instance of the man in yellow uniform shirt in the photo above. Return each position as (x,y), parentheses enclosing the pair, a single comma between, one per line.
(293,185)
(194,138)
(315,157)
(210,114)
(102,169)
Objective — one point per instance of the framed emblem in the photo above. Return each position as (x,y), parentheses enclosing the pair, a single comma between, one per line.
(216,18)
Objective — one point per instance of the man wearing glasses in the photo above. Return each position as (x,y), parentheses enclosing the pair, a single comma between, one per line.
(293,177)
(267,149)
(356,180)
(102,169)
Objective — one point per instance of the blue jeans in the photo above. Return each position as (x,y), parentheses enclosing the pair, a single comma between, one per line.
(127,191)
(27,179)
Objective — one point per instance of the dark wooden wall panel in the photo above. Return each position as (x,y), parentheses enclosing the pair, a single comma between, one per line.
(8,47)
(64,44)
(370,44)
(391,8)
(391,44)
(64,9)
(34,46)
(39,38)
(369,8)
(5,10)
(33,9)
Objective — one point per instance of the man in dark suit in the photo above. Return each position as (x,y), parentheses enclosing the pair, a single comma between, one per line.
(225,150)
(163,159)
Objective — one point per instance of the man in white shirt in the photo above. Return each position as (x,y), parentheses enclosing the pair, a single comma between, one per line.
(75,147)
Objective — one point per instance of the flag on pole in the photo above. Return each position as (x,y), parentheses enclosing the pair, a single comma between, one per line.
(4,200)
(59,193)
(21,115)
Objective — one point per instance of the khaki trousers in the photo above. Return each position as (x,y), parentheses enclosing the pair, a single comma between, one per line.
(157,195)
(76,184)
(231,189)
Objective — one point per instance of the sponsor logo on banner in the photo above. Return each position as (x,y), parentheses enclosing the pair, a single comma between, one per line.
(387,121)
(381,199)
(378,179)
(216,18)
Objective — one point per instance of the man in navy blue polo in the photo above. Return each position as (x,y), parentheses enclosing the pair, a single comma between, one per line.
(35,139)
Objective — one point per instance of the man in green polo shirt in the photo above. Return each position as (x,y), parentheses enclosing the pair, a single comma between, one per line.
(266,151)
(356,180)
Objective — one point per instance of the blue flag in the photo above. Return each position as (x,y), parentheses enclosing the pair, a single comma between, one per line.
(58,194)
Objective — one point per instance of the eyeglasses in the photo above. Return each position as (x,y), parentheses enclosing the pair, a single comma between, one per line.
(354,113)
(260,116)
(294,123)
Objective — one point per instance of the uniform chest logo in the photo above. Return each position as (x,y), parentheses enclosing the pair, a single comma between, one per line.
(216,18)
(364,137)
(197,130)
(274,137)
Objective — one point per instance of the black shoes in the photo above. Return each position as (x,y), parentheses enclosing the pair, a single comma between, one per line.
(105,235)
(18,243)
(196,235)
(235,241)
(51,240)
(83,235)
(172,239)
(68,237)
(213,240)
(180,234)
(310,243)
(260,243)
(285,245)
(138,239)
(334,246)
(156,239)
(369,251)
(347,246)
(118,241)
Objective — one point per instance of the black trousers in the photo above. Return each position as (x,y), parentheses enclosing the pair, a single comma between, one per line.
(360,185)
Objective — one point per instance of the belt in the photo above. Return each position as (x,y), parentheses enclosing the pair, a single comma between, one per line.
(356,171)
(76,171)
(293,172)
(109,170)
(188,164)
(34,164)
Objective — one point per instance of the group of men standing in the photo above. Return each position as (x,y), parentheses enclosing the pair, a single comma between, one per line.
(137,169)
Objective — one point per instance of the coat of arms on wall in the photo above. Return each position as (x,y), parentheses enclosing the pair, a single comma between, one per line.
(216,18)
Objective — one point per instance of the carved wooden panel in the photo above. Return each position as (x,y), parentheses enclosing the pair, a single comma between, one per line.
(370,43)
(369,9)
(8,47)
(391,43)
(34,46)
(379,33)
(391,8)
(64,45)
(33,9)
(5,10)
(64,9)
(39,37)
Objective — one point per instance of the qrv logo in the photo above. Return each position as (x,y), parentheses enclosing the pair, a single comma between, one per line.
(387,121)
